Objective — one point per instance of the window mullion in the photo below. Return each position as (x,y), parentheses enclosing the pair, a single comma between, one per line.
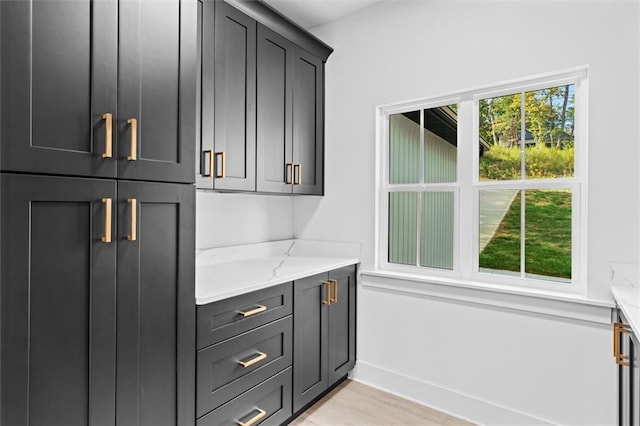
(523,174)
(421,169)
(467,169)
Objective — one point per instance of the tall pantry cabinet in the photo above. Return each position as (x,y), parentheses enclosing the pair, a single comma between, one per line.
(97,130)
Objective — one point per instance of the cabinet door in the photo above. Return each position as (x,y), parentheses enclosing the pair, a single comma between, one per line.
(274,112)
(229,97)
(156,307)
(310,337)
(342,323)
(308,123)
(634,378)
(58,302)
(157,90)
(59,76)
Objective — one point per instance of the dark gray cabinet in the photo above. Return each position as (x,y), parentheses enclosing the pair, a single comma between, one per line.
(58,304)
(228,141)
(267,404)
(290,144)
(245,344)
(155,309)
(626,348)
(324,332)
(58,81)
(99,89)
(98,322)
(274,112)
(308,123)
(262,109)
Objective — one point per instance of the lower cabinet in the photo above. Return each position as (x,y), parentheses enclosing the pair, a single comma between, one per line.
(324,332)
(269,403)
(625,348)
(244,358)
(98,323)
(264,355)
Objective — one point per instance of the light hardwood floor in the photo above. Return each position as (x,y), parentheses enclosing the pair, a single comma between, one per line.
(355,404)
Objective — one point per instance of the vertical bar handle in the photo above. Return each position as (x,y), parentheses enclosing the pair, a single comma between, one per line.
(334,299)
(618,329)
(209,173)
(134,219)
(108,135)
(327,289)
(221,171)
(106,237)
(297,174)
(289,178)
(133,156)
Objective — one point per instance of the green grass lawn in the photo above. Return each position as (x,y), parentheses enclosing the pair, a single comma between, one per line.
(547,236)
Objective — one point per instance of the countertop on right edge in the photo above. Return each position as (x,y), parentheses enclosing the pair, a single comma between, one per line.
(626,292)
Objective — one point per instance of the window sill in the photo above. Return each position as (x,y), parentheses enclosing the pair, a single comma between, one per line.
(540,302)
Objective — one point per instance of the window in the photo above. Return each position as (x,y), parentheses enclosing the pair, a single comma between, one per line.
(487,185)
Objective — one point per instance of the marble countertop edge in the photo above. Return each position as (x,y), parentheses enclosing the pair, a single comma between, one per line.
(628,300)
(226,272)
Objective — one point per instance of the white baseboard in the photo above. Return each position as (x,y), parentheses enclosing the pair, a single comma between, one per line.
(445,400)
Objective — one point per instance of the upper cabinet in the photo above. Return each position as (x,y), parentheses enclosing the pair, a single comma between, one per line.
(275,112)
(101,89)
(228,98)
(262,101)
(308,123)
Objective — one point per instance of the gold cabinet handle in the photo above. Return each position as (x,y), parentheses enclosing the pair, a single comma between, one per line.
(106,237)
(253,420)
(257,310)
(134,139)
(209,173)
(618,329)
(134,219)
(108,135)
(289,178)
(335,291)
(221,171)
(254,360)
(327,290)
(297,174)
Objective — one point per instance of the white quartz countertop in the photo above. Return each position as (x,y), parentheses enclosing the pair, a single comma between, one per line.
(231,271)
(625,291)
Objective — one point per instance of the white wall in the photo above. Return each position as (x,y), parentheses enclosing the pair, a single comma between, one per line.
(508,363)
(226,219)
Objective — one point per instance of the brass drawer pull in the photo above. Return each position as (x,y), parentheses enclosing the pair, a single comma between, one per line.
(134,219)
(134,139)
(221,172)
(254,360)
(108,135)
(106,237)
(260,308)
(327,289)
(254,419)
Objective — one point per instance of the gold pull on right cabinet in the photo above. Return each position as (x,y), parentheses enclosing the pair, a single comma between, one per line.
(618,330)
(133,124)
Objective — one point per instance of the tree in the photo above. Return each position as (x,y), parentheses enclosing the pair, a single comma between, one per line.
(549,117)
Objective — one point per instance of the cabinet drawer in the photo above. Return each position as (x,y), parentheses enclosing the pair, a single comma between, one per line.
(221,320)
(271,400)
(227,369)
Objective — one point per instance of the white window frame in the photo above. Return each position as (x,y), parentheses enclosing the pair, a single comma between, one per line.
(466,188)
